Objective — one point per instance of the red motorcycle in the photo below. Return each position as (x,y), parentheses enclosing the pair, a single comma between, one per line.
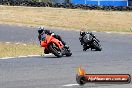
(53,45)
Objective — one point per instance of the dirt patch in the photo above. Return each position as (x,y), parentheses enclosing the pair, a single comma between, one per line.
(67,18)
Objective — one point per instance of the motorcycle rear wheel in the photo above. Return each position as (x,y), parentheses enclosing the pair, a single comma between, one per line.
(68,54)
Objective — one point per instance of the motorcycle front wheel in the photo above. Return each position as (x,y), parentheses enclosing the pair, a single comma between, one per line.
(97,46)
(55,50)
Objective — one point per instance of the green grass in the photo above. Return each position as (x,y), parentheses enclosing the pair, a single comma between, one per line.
(13,50)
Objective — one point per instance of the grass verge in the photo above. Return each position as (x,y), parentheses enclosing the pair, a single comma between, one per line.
(116,21)
(13,50)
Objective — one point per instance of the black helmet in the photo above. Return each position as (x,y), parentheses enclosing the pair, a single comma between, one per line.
(82,32)
(40,30)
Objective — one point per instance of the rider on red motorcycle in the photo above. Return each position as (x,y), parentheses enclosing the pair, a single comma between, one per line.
(42,32)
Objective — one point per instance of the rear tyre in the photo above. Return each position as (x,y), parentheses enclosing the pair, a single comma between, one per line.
(68,54)
(55,50)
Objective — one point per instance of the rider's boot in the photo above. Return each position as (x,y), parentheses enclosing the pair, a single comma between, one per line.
(66,46)
(46,51)
(84,47)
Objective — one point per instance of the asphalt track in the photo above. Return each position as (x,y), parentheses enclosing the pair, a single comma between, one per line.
(51,72)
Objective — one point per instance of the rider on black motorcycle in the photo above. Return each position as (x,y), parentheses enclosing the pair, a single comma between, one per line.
(82,34)
(42,31)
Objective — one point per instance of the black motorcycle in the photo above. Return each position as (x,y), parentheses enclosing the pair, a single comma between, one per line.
(90,41)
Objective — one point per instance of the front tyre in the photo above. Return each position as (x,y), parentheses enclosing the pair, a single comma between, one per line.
(97,46)
(55,50)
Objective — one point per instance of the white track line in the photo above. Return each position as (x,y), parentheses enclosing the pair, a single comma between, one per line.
(122,33)
(33,55)
(69,85)
(17,43)
(24,44)
(94,31)
(7,42)
(22,56)
(109,32)
(26,56)
(48,54)
(7,57)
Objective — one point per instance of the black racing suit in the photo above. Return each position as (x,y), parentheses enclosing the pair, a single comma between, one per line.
(82,41)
